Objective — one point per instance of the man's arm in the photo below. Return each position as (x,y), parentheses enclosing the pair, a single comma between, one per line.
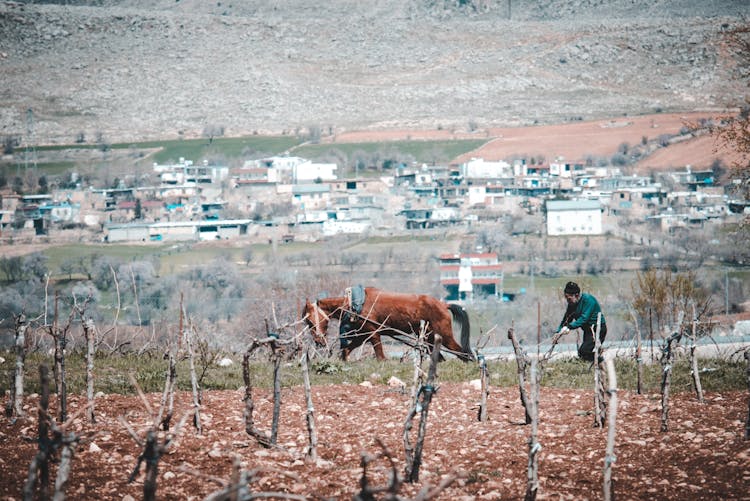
(588,314)
(566,317)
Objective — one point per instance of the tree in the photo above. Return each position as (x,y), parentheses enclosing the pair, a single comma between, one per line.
(138,213)
(34,266)
(68,267)
(43,186)
(102,271)
(11,267)
(212,131)
(10,143)
(314,133)
(247,255)
(733,133)
(659,296)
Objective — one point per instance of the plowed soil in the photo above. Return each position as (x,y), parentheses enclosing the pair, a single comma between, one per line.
(701,456)
(574,142)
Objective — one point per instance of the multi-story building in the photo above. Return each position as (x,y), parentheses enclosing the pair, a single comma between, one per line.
(465,276)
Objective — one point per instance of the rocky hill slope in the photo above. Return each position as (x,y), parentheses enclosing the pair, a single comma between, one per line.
(138,69)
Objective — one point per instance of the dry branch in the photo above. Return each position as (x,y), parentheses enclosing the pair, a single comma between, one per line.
(39,467)
(367,492)
(420,348)
(153,450)
(262,438)
(167,398)
(483,372)
(89,336)
(414,454)
(312,451)
(522,360)
(239,488)
(600,401)
(638,354)
(609,458)
(15,405)
(532,475)
(666,362)
(193,378)
(694,360)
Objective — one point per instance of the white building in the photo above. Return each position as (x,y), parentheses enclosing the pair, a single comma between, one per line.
(308,171)
(332,227)
(574,217)
(185,173)
(481,169)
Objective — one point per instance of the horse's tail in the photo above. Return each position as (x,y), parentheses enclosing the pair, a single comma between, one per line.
(461,322)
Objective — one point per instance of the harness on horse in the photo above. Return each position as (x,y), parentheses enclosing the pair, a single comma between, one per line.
(355,297)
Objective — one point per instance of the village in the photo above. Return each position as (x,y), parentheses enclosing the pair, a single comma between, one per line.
(282,199)
(190,202)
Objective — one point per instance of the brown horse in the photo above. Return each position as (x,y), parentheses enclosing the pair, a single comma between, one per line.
(392,314)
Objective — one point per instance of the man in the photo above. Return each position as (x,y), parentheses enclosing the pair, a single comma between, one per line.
(583,310)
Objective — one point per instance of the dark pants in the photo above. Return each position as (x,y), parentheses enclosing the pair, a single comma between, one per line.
(586,350)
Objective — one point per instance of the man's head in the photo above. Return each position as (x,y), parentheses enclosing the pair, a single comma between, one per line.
(572,292)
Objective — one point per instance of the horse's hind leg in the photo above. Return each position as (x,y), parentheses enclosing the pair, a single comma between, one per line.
(377,346)
(355,341)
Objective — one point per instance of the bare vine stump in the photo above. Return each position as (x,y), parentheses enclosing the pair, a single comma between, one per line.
(312,451)
(153,450)
(39,467)
(532,474)
(194,383)
(638,355)
(167,397)
(485,388)
(609,458)
(600,400)
(69,441)
(276,360)
(263,439)
(15,405)
(694,372)
(522,361)
(666,379)
(151,455)
(421,406)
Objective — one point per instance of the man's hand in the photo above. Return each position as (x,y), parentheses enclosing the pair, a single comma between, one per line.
(564,330)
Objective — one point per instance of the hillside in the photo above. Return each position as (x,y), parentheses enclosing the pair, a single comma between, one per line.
(146,69)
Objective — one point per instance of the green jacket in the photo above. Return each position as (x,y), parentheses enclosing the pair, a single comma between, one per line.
(584,312)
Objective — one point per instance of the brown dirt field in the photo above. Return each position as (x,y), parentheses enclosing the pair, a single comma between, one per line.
(573,141)
(699,152)
(702,456)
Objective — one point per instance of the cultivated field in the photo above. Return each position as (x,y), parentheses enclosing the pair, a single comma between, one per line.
(701,456)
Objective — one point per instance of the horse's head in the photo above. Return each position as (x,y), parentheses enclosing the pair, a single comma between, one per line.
(317,320)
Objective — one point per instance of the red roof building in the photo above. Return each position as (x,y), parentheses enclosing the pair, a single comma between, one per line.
(465,275)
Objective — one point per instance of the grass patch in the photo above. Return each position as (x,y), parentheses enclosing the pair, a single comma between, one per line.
(58,253)
(149,370)
(423,151)
(196,149)
(44,168)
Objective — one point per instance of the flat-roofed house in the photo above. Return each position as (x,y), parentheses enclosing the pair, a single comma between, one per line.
(574,217)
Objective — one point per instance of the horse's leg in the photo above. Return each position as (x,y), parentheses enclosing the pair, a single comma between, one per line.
(377,346)
(355,341)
